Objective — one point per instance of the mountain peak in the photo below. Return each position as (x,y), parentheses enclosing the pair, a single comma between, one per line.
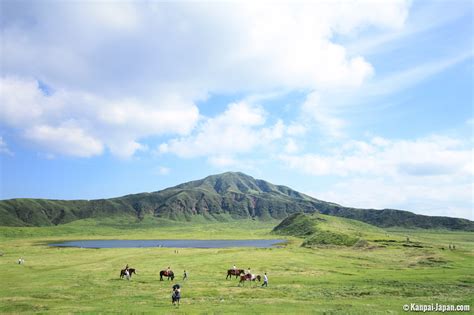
(225,196)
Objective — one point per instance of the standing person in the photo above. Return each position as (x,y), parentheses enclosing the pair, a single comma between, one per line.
(176,295)
(185,276)
(127,272)
(265,280)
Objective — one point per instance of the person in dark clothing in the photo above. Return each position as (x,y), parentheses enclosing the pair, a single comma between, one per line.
(176,296)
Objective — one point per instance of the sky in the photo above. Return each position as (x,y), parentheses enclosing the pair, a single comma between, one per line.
(367,104)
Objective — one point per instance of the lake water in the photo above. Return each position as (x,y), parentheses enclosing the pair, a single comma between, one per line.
(169,243)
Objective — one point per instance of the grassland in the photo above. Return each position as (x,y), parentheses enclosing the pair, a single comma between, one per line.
(378,279)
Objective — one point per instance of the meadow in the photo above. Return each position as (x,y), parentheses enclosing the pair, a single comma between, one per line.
(378,279)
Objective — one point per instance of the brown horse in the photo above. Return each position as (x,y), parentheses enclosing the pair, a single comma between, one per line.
(249,277)
(165,273)
(234,272)
(130,271)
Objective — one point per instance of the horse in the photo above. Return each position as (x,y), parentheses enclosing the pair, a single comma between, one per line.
(130,271)
(234,272)
(165,273)
(249,277)
(175,297)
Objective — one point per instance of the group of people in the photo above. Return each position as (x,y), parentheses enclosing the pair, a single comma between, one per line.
(176,289)
(250,276)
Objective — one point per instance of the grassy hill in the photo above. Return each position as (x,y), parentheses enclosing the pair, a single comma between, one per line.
(319,229)
(224,197)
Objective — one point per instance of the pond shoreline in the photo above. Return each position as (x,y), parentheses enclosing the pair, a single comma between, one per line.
(170,243)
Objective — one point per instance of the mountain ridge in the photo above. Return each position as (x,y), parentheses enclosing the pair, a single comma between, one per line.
(226,196)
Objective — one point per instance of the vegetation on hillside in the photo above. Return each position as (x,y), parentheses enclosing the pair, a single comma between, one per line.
(225,197)
(318,229)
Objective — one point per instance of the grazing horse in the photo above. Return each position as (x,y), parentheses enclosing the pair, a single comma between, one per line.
(234,272)
(130,271)
(165,273)
(249,277)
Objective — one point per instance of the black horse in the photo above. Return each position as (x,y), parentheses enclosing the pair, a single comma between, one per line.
(234,272)
(130,271)
(166,273)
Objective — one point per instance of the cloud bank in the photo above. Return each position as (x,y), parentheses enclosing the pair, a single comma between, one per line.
(119,72)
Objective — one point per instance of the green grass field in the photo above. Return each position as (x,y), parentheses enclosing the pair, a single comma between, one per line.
(378,279)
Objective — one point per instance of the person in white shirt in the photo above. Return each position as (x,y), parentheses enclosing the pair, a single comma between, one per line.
(265,280)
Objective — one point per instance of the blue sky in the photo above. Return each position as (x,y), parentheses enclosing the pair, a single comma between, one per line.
(365,103)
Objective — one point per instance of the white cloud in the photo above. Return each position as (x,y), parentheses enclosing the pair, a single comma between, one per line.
(192,48)
(413,75)
(67,139)
(4,147)
(442,198)
(431,175)
(89,122)
(291,147)
(223,161)
(423,19)
(431,156)
(239,129)
(312,109)
(162,170)
(296,129)
(133,70)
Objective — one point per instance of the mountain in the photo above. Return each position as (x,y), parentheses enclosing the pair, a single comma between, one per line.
(222,197)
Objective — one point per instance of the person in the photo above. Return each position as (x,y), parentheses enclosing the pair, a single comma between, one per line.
(176,295)
(234,267)
(265,280)
(185,276)
(249,274)
(20,261)
(168,270)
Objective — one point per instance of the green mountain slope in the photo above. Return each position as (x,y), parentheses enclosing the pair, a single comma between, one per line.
(220,197)
(320,229)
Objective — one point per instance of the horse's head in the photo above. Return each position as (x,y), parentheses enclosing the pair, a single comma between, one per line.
(258,278)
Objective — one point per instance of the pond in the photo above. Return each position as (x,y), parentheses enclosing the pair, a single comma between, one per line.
(169,243)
